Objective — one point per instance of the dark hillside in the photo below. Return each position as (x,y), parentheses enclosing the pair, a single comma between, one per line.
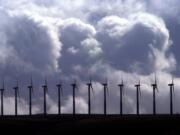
(54,124)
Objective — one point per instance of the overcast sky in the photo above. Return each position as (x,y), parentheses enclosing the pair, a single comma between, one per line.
(75,39)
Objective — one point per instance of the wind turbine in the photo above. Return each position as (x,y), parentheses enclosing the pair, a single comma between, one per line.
(105,86)
(45,89)
(89,95)
(74,86)
(30,87)
(155,88)
(2,99)
(171,85)
(16,89)
(138,91)
(121,86)
(60,90)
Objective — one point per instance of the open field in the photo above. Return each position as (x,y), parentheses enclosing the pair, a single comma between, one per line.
(54,124)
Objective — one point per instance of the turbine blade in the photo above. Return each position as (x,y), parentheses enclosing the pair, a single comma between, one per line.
(61,89)
(3,84)
(46,85)
(18,88)
(18,91)
(155,78)
(172,80)
(92,89)
(17,83)
(32,84)
(173,86)
(155,82)
(76,86)
(106,81)
(157,89)
(139,82)
(173,90)
(46,81)
(140,91)
(90,79)
(18,94)
(107,90)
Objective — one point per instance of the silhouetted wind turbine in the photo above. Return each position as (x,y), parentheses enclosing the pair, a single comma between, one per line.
(89,95)
(155,88)
(16,89)
(74,86)
(30,87)
(45,89)
(171,85)
(138,91)
(2,99)
(59,86)
(105,86)
(121,86)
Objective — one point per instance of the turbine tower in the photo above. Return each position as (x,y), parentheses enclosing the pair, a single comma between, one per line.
(2,99)
(59,86)
(105,86)
(171,86)
(45,89)
(138,91)
(74,86)
(155,88)
(121,86)
(89,95)
(16,89)
(30,87)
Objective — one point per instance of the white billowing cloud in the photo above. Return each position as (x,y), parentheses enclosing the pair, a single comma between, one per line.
(162,62)
(79,44)
(51,105)
(80,104)
(30,46)
(23,107)
(156,25)
(92,46)
(114,26)
(140,32)
(167,8)
(72,50)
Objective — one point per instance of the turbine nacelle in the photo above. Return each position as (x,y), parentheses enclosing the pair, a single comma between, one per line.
(137,85)
(121,85)
(31,85)
(90,86)
(104,84)
(74,85)
(45,85)
(59,86)
(172,83)
(154,85)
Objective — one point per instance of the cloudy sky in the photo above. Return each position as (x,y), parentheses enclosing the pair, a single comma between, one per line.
(77,39)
